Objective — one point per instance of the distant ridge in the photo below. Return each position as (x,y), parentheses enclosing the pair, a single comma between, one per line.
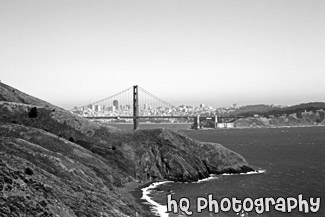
(266,110)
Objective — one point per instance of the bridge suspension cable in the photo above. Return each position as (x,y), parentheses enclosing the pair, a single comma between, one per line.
(115,95)
(162,102)
(121,103)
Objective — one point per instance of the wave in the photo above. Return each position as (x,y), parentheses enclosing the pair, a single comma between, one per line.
(212,176)
(248,173)
(215,176)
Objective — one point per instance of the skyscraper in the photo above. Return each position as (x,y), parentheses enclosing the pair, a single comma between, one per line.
(115,103)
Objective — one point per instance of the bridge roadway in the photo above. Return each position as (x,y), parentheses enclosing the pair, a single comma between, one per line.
(138,117)
(131,117)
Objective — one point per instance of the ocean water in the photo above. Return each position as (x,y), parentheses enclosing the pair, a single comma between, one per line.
(294,164)
(172,126)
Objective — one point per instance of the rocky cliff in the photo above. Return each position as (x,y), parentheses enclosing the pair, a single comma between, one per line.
(56,163)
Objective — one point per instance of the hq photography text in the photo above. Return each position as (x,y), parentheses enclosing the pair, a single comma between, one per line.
(258,205)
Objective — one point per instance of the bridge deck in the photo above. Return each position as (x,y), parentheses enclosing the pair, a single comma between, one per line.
(138,117)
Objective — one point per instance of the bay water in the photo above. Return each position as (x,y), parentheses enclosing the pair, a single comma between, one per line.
(293,160)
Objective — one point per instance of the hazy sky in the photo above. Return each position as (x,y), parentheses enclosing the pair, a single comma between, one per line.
(70,52)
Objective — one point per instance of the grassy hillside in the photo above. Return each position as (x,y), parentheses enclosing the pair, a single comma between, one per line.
(10,94)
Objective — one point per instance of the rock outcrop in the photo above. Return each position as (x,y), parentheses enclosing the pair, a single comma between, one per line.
(53,162)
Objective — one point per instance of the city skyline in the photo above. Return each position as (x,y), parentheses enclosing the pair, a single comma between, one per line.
(113,108)
(216,52)
(114,104)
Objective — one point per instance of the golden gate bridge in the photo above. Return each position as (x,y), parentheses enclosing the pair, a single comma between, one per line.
(137,103)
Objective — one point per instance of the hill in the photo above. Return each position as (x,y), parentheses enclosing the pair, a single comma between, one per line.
(54,163)
(250,109)
(306,114)
(266,110)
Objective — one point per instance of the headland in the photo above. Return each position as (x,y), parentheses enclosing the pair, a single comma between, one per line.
(56,163)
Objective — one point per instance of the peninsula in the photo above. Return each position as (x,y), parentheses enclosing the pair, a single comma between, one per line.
(55,163)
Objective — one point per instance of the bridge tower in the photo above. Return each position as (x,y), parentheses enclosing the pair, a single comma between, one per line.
(215,121)
(135,107)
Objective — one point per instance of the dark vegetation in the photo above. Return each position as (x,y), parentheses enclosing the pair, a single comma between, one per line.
(32,113)
(54,163)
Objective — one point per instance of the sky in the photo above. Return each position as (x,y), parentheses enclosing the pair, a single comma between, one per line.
(216,52)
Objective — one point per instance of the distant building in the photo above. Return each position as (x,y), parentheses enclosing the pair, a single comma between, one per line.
(110,108)
(115,103)
(97,108)
(123,107)
(91,107)
(225,125)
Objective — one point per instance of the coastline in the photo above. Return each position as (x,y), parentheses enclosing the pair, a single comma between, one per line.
(141,193)
(132,192)
(138,193)
(248,173)
(155,208)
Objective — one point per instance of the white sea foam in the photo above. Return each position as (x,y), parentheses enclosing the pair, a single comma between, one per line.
(213,176)
(248,173)
(156,208)
(207,179)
